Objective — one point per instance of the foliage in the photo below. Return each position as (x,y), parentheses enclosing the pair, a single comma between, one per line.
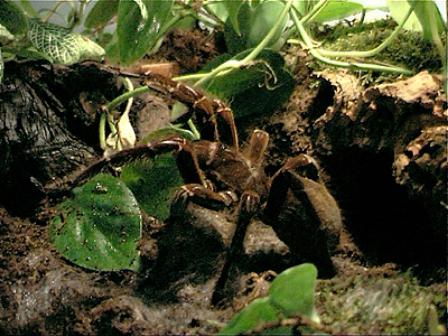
(266,82)
(291,294)
(100,227)
(154,182)
(33,38)
(59,45)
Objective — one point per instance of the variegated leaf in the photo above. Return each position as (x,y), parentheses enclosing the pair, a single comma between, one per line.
(60,44)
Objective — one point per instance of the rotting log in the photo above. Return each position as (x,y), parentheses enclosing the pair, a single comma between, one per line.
(48,125)
(391,141)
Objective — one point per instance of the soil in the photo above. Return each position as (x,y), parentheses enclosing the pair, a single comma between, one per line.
(377,212)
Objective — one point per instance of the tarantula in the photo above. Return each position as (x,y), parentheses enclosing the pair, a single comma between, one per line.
(293,201)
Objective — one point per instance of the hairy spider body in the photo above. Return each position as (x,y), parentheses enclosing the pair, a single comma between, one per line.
(217,175)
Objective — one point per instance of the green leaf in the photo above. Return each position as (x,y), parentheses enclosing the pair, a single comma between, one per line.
(143,10)
(292,291)
(373,4)
(218,8)
(254,24)
(60,45)
(5,36)
(137,36)
(154,183)
(101,13)
(336,10)
(100,227)
(28,8)
(304,6)
(261,88)
(420,19)
(233,8)
(2,67)
(260,311)
(166,132)
(12,17)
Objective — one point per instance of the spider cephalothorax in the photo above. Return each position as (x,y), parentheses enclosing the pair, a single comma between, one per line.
(294,202)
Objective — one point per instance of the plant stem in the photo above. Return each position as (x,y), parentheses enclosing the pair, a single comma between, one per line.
(194,130)
(314,11)
(102,130)
(125,96)
(53,10)
(439,45)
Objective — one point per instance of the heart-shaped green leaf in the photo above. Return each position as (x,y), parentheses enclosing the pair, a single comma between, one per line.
(138,35)
(60,45)
(334,10)
(292,291)
(12,17)
(260,88)
(5,35)
(154,183)
(2,66)
(253,23)
(101,13)
(260,311)
(100,227)
(425,14)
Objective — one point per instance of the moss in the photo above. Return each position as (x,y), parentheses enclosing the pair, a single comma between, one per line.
(408,49)
(365,304)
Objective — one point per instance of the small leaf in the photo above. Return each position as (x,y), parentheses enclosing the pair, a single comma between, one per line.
(218,8)
(101,13)
(154,183)
(143,10)
(233,8)
(2,67)
(420,19)
(136,36)
(254,24)
(292,291)
(5,36)
(60,45)
(28,8)
(260,311)
(12,17)
(261,88)
(100,227)
(166,132)
(336,10)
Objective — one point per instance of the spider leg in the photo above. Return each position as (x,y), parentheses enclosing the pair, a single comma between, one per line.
(285,179)
(149,150)
(247,208)
(196,101)
(200,195)
(256,148)
(303,213)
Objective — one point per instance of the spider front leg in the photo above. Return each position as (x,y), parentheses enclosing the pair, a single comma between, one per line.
(304,214)
(247,208)
(197,189)
(207,110)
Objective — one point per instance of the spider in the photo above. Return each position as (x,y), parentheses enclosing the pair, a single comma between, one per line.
(293,201)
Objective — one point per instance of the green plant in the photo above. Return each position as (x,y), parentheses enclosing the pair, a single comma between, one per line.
(290,304)
(100,227)
(27,36)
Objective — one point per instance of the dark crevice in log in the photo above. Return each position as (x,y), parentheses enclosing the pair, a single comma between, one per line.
(385,222)
(45,130)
